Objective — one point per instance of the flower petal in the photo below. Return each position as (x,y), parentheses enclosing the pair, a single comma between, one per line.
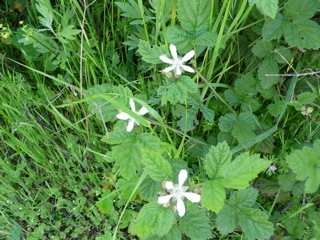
(173,51)
(133,107)
(165,59)
(168,69)
(188,56)
(130,125)
(123,116)
(187,68)
(143,111)
(178,71)
(180,207)
(182,177)
(164,199)
(192,197)
(169,185)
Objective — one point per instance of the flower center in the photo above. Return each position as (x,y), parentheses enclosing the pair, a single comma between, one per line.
(177,62)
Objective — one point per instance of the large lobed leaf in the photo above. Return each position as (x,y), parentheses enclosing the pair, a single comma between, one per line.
(305,163)
(213,195)
(151,54)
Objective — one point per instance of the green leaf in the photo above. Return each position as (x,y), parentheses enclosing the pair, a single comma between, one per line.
(130,10)
(118,137)
(275,108)
(268,66)
(105,203)
(153,218)
(263,49)
(226,220)
(213,195)
(226,122)
(302,33)
(248,119)
(242,170)
(206,39)
(255,224)
(243,134)
(195,223)
(208,114)
(189,122)
(149,189)
(295,227)
(267,7)
(306,97)
(127,156)
(290,183)
(151,54)
(273,28)
(180,38)
(156,166)
(305,163)
(174,233)
(177,89)
(194,15)
(245,198)
(270,188)
(45,9)
(217,160)
(68,32)
(295,9)
(282,54)
(127,186)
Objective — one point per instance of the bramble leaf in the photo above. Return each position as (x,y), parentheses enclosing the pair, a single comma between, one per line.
(130,10)
(273,28)
(267,7)
(295,9)
(244,198)
(206,38)
(156,166)
(307,97)
(305,163)
(227,219)
(151,54)
(263,49)
(226,122)
(180,38)
(243,134)
(213,195)
(242,170)
(174,233)
(153,218)
(217,160)
(289,182)
(268,66)
(195,223)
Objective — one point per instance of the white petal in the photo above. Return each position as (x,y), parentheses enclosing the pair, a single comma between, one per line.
(178,71)
(143,111)
(164,199)
(192,197)
(123,116)
(169,185)
(187,68)
(173,51)
(168,69)
(180,207)
(188,56)
(130,125)
(165,59)
(133,107)
(182,177)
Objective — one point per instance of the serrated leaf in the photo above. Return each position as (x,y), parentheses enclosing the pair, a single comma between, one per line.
(189,122)
(275,108)
(105,203)
(153,218)
(127,186)
(174,233)
(68,32)
(267,93)
(127,156)
(289,182)
(302,33)
(267,7)
(149,189)
(306,97)
(195,223)
(295,9)
(295,227)
(227,121)
(305,163)
(130,9)
(244,198)
(194,15)
(213,196)
(248,119)
(151,54)
(206,39)
(273,28)
(282,54)
(217,160)
(156,166)
(268,66)
(245,86)
(242,170)
(208,114)
(227,219)
(255,224)
(243,134)
(270,188)
(45,9)
(118,137)
(177,89)
(263,49)
(180,38)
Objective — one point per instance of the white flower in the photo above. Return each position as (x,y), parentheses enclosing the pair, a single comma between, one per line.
(178,192)
(177,62)
(126,116)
